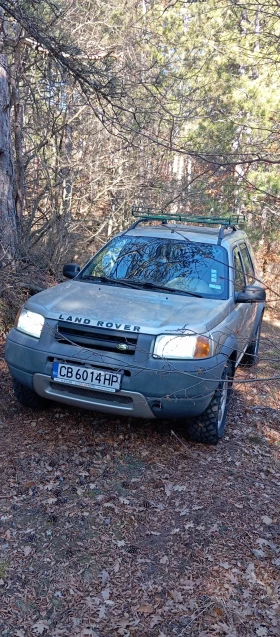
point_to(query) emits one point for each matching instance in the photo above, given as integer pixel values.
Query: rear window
(181, 265)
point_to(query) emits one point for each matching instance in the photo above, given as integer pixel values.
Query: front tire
(27, 397)
(209, 427)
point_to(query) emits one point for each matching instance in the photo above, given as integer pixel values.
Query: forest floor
(112, 527)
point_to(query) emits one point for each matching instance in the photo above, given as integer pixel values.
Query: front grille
(106, 397)
(96, 338)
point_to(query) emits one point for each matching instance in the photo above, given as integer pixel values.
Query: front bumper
(151, 388)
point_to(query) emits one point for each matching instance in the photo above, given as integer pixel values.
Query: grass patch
(257, 440)
(3, 569)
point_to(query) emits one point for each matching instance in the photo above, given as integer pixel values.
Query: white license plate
(86, 377)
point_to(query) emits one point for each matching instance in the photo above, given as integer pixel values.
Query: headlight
(30, 322)
(177, 346)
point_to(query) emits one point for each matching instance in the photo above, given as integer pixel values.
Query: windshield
(185, 266)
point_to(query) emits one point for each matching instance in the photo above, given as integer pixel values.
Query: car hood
(123, 308)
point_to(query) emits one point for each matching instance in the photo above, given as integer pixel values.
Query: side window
(247, 262)
(239, 276)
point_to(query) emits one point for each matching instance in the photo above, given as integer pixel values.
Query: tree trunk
(19, 178)
(8, 229)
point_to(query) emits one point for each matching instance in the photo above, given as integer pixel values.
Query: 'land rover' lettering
(125, 327)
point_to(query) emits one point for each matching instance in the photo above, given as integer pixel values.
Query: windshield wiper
(156, 286)
(148, 285)
(108, 279)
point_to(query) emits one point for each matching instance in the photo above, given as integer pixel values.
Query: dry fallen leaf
(155, 620)
(223, 629)
(176, 595)
(105, 577)
(91, 603)
(153, 532)
(168, 489)
(214, 528)
(225, 565)
(123, 623)
(106, 593)
(79, 546)
(102, 612)
(117, 565)
(250, 573)
(146, 609)
(110, 505)
(258, 553)
(40, 627)
(27, 550)
(88, 632)
(184, 512)
(261, 631)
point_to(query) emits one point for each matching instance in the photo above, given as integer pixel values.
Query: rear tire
(27, 397)
(209, 427)
(250, 356)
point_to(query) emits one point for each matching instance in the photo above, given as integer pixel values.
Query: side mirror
(251, 294)
(70, 270)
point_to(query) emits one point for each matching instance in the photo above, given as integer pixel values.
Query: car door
(244, 312)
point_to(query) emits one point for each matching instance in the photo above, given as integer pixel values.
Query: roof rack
(152, 214)
(145, 214)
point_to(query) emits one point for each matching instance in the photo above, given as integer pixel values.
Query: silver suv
(153, 326)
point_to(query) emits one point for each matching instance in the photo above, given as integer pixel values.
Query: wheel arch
(230, 349)
(233, 358)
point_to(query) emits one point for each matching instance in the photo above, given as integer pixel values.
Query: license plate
(86, 377)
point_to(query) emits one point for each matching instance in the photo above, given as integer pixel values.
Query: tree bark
(8, 228)
(19, 178)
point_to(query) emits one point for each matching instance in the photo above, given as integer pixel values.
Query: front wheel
(209, 427)
(27, 397)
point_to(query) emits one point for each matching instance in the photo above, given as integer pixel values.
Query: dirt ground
(112, 527)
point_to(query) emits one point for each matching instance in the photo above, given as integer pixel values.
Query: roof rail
(145, 214)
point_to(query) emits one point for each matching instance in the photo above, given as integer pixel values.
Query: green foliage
(114, 93)
(3, 569)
